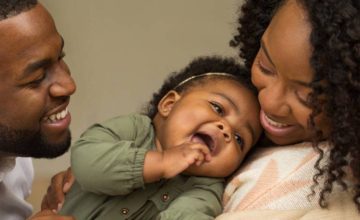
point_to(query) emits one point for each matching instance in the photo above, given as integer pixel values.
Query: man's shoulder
(7, 163)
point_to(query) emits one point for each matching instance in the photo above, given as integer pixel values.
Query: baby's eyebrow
(229, 100)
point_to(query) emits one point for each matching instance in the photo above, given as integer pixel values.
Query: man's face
(35, 86)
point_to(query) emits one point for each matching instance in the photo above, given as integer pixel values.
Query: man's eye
(240, 141)
(217, 108)
(37, 81)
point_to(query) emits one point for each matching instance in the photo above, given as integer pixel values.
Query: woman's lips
(275, 128)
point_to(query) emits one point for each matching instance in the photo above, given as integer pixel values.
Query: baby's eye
(240, 141)
(217, 108)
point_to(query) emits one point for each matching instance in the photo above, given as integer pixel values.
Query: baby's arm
(200, 203)
(109, 157)
(174, 160)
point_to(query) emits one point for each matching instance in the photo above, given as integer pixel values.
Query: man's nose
(63, 84)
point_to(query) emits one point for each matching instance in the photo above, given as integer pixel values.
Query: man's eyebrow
(35, 66)
(40, 63)
(262, 44)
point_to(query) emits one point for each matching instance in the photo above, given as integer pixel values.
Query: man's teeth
(274, 123)
(57, 116)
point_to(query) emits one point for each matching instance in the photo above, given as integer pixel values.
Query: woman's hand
(60, 185)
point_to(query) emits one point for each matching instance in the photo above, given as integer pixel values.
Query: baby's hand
(177, 159)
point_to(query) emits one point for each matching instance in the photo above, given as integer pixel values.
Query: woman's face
(282, 72)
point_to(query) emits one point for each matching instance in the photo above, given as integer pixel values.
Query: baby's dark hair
(13, 7)
(196, 67)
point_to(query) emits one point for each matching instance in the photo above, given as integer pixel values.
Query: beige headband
(202, 75)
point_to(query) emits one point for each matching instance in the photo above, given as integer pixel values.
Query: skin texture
(35, 83)
(282, 74)
(223, 109)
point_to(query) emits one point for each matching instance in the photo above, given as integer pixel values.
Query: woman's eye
(263, 69)
(302, 99)
(217, 108)
(240, 141)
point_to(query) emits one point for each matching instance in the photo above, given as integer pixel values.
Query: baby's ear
(167, 102)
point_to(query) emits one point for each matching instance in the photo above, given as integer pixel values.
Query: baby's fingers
(205, 151)
(200, 158)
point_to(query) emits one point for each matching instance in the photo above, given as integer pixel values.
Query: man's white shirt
(16, 177)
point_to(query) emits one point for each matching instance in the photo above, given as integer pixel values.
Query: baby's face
(221, 114)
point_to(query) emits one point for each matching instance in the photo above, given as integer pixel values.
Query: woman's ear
(167, 103)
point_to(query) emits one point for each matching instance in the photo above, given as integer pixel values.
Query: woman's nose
(273, 100)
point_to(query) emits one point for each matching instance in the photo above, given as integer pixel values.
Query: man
(35, 86)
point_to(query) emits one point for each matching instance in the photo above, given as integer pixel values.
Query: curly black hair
(13, 7)
(198, 66)
(335, 39)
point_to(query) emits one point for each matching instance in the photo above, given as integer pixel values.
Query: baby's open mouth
(204, 139)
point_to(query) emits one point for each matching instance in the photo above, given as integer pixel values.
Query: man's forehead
(33, 23)
(26, 38)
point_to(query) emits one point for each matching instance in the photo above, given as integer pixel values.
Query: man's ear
(167, 103)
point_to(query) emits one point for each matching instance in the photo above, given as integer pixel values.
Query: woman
(304, 57)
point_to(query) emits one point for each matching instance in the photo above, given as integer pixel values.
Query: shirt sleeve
(199, 203)
(109, 157)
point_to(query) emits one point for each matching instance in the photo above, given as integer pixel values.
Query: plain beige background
(120, 51)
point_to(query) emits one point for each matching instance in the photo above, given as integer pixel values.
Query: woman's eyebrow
(302, 83)
(263, 47)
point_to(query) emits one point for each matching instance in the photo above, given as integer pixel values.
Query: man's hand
(49, 215)
(59, 186)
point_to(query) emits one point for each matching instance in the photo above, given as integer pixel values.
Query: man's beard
(25, 143)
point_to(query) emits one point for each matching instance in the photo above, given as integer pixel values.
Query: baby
(170, 163)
